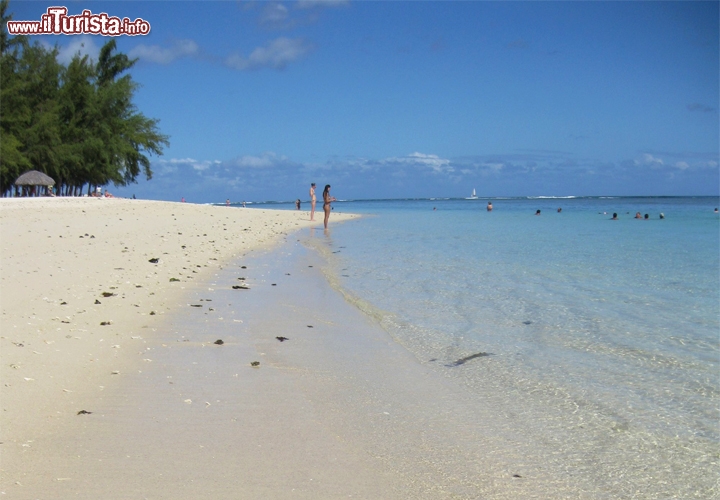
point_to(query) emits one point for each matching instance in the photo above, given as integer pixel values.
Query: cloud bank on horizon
(422, 99)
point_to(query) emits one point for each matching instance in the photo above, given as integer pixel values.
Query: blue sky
(421, 99)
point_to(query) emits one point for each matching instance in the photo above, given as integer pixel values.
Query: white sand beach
(114, 384)
(78, 285)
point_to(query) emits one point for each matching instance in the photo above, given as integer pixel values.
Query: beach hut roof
(34, 178)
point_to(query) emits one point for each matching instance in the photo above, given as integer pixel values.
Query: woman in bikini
(327, 199)
(312, 201)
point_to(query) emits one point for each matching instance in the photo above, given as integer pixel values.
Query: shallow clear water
(599, 338)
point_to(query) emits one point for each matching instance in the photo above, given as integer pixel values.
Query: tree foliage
(76, 123)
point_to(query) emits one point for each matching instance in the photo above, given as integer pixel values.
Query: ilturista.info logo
(57, 22)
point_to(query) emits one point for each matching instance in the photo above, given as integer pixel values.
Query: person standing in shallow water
(327, 199)
(312, 201)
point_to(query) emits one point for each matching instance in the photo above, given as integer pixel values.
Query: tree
(127, 133)
(78, 124)
(12, 108)
(80, 150)
(38, 125)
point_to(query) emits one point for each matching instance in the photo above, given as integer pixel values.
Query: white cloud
(682, 165)
(277, 54)
(274, 13)
(495, 167)
(266, 160)
(434, 162)
(309, 4)
(179, 160)
(172, 164)
(83, 45)
(202, 165)
(165, 55)
(165, 168)
(649, 160)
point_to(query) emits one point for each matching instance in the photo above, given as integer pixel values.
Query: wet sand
(335, 410)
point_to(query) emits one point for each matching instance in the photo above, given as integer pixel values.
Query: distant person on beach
(313, 199)
(297, 204)
(243, 203)
(637, 215)
(489, 207)
(614, 217)
(108, 195)
(227, 202)
(327, 199)
(537, 213)
(182, 200)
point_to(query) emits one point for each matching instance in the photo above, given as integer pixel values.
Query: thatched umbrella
(33, 178)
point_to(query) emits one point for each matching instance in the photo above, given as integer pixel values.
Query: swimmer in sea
(537, 213)
(614, 217)
(489, 207)
(327, 199)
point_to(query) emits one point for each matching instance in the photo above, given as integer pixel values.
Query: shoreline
(149, 406)
(79, 293)
(338, 409)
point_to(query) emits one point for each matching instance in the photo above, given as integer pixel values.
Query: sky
(414, 99)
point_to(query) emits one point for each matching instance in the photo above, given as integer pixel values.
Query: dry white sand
(77, 287)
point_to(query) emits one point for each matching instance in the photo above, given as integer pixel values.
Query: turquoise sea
(596, 341)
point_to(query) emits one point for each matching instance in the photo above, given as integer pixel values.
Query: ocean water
(592, 344)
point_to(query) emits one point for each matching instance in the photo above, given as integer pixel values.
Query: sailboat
(473, 197)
